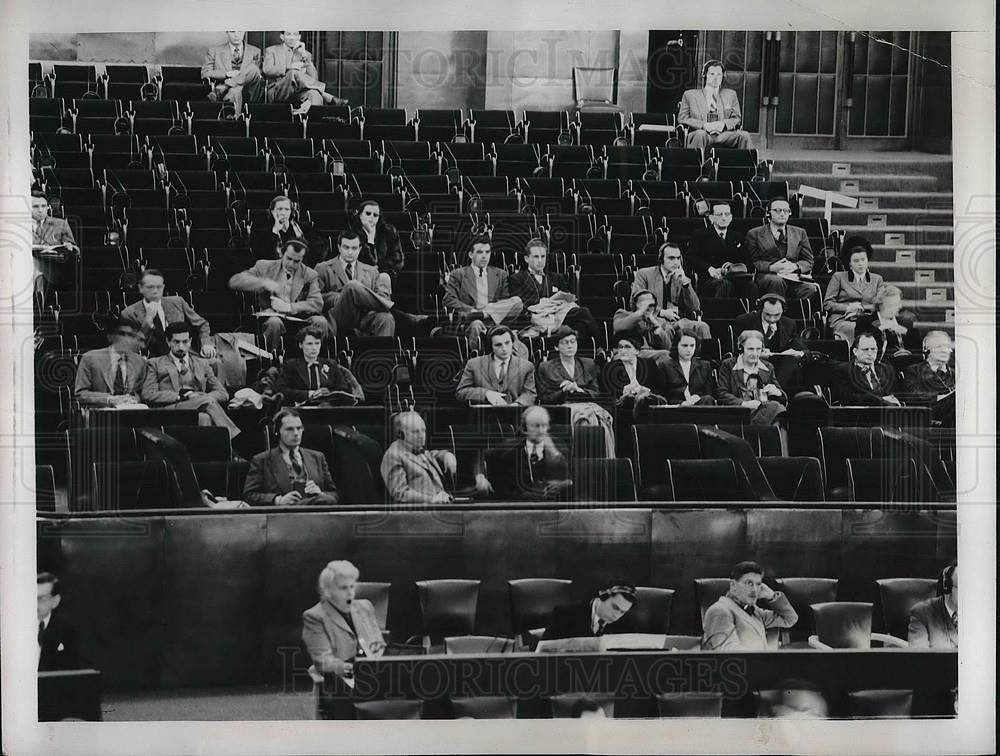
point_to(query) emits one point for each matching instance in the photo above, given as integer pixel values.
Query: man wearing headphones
(532, 468)
(746, 380)
(782, 256)
(934, 622)
(932, 382)
(712, 114)
(720, 258)
(735, 622)
(781, 338)
(584, 619)
(266, 240)
(676, 300)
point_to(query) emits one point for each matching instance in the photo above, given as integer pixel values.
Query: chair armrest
(815, 642)
(314, 674)
(890, 640)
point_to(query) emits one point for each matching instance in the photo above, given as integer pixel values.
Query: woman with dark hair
(892, 328)
(851, 292)
(689, 380)
(379, 240)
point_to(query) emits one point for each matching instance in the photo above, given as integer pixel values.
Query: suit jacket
(512, 476)
(785, 337)
(95, 378)
(478, 377)
(732, 388)
(647, 373)
(329, 637)
(219, 62)
(277, 60)
(306, 296)
(268, 477)
(763, 248)
(410, 478)
(264, 243)
(683, 297)
(842, 291)
(570, 620)
(460, 289)
(931, 625)
(727, 627)
(707, 250)
(551, 373)
(702, 381)
(925, 385)
(693, 110)
(162, 382)
(58, 649)
(850, 387)
(386, 253)
(176, 310)
(293, 382)
(522, 284)
(53, 231)
(333, 278)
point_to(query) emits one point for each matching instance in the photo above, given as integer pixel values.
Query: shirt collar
(867, 277)
(738, 365)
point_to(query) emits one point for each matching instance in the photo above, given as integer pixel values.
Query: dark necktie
(601, 624)
(749, 609)
(41, 632)
(237, 56)
(119, 387)
(781, 238)
(314, 376)
(349, 272)
(769, 332)
(183, 369)
(296, 463)
(502, 378)
(870, 372)
(158, 325)
(954, 619)
(482, 271)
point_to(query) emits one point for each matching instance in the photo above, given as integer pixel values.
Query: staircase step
(863, 167)
(892, 200)
(923, 253)
(902, 216)
(897, 273)
(912, 235)
(867, 182)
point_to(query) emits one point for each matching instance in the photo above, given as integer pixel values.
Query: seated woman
(851, 292)
(747, 380)
(635, 384)
(572, 380)
(892, 328)
(379, 240)
(689, 381)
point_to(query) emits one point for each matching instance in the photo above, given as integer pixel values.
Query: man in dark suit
(56, 639)
(234, 70)
(720, 258)
(782, 256)
(180, 380)
(480, 294)
(289, 475)
(712, 114)
(356, 296)
(934, 622)
(532, 468)
(584, 619)
(113, 375)
(932, 382)
(499, 378)
(316, 380)
(863, 381)
(52, 243)
(534, 283)
(154, 312)
(783, 345)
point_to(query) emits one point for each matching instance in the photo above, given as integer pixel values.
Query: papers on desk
(56, 251)
(568, 645)
(633, 642)
(128, 406)
(272, 314)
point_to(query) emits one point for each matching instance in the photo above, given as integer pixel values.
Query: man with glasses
(719, 257)
(112, 376)
(154, 312)
(736, 622)
(781, 255)
(676, 300)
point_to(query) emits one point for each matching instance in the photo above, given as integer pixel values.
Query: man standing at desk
(735, 622)
(583, 619)
(56, 639)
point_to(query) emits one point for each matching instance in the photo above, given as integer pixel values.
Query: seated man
(336, 631)
(534, 283)
(735, 622)
(412, 473)
(746, 380)
(154, 312)
(356, 297)
(234, 70)
(782, 256)
(641, 325)
(781, 337)
(285, 288)
(291, 75)
(932, 382)
(267, 239)
(676, 299)
(314, 380)
(179, 380)
(934, 622)
(113, 375)
(583, 619)
(863, 381)
(56, 638)
(52, 243)
(479, 293)
(720, 258)
(712, 114)
(289, 475)
(533, 468)
(499, 378)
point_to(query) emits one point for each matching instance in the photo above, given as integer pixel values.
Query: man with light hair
(337, 630)
(533, 467)
(234, 71)
(412, 473)
(932, 382)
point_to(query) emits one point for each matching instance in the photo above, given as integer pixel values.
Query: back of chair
(378, 594)
(562, 705)
(478, 644)
(650, 613)
(707, 591)
(45, 488)
(603, 480)
(483, 707)
(683, 642)
(689, 705)
(843, 624)
(794, 478)
(448, 607)
(803, 592)
(390, 709)
(533, 599)
(703, 479)
(877, 704)
(898, 596)
(133, 485)
(883, 480)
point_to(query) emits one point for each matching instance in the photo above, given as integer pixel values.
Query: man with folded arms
(154, 312)
(736, 622)
(234, 68)
(719, 257)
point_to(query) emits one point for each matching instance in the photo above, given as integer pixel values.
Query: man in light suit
(713, 114)
(499, 378)
(316, 380)
(356, 297)
(934, 622)
(781, 255)
(154, 312)
(676, 299)
(179, 380)
(412, 473)
(736, 623)
(479, 294)
(291, 75)
(51, 242)
(284, 288)
(289, 475)
(234, 70)
(336, 631)
(113, 375)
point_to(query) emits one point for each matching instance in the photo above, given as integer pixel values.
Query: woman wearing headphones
(851, 292)
(747, 380)
(892, 327)
(379, 240)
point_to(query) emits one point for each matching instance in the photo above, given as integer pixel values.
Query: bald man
(412, 473)
(533, 467)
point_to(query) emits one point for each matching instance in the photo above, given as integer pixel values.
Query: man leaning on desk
(735, 622)
(590, 618)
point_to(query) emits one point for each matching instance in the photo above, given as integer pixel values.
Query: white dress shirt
(482, 287)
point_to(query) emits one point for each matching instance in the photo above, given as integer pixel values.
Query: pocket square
(61, 647)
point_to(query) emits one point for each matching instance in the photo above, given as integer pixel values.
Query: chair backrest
(603, 480)
(683, 642)
(133, 485)
(533, 599)
(390, 709)
(654, 444)
(356, 466)
(707, 591)
(703, 705)
(703, 479)
(837, 445)
(45, 488)
(790, 702)
(562, 705)
(595, 84)
(803, 592)
(478, 644)
(898, 596)
(875, 704)
(650, 613)
(883, 480)
(794, 478)
(843, 624)
(483, 707)
(448, 607)
(202, 444)
(378, 594)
